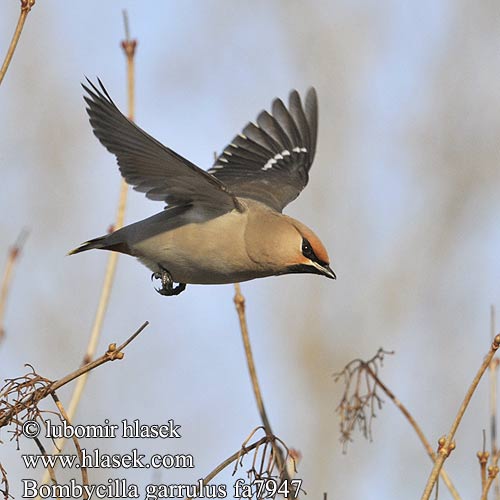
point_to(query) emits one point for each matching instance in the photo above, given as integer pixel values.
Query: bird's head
(309, 253)
(284, 246)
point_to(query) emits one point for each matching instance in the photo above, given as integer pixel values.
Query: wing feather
(146, 164)
(270, 161)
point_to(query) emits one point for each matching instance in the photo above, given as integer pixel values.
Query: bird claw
(167, 284)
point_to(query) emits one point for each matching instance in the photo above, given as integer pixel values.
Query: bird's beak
(314, 267)
(328, 272)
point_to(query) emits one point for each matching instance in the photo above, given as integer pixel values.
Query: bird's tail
(89, 245)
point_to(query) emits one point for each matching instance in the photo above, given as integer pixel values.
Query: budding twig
(239, 301)
(32, 398)
(12, 258)
(492, 474)
(448, 444)
(26, 6)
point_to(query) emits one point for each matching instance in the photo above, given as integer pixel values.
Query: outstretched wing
(146, 164)
(270, 160)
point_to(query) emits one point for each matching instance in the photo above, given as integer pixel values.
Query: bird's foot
(167, 284)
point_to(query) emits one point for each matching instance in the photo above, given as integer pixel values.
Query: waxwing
(224, 225)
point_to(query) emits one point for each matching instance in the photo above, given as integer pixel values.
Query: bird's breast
(208, 252)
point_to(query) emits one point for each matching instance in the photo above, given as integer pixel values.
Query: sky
(403, 193)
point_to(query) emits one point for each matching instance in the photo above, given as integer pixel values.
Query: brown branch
(234, 457)
(129, 45)
(111, 354)
(493, 369)
(447, 444)
(4, 483)
(50, 469)
(64, 415)
(492, 474)
(239, 301)
(37, 395)
(416, 428)
(483, 456)
(12, 258)
(26, 6)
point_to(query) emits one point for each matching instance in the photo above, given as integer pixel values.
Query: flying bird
(224, 225)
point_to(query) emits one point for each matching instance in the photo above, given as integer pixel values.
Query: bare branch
(83, 469)
(239, 301)
(492, 474)
(355, 402)
(26, 6)
(12, 258)
(33, 388)
(446, 444)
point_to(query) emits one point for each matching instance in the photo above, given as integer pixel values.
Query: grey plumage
(270, 161)
(148, 165)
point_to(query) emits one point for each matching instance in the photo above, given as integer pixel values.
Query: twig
(418, 430)
(64, 415)
(493, 369)
(4, 483)
(234, 457)
(492, 474)
(113, 352)
(12, 258)
(493, 389)
(109, 276)
(483, 456)
(26, 6)
(447, 444)
(50, 469)
(239, 301)
(129, 45)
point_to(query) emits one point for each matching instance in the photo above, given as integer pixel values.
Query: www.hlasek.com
(97, 459)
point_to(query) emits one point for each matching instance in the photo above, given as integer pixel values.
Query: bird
(221, 225)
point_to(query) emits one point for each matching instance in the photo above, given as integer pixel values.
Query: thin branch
(492, 474)
(64, 415)
(26, 6)
(34, 397)
(239, 301)
(493, 464)
(483, 456)
(234, 457)
(4, 483)
(12, 258)
(447, 444)
(109, 276)
(417, 429)
(129, 45)
(493, 389)
(50, 469)
(493, 369)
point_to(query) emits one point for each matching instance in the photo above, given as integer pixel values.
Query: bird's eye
(307, 250)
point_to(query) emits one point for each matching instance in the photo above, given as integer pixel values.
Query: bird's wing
(270, 160)
(149, 166)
